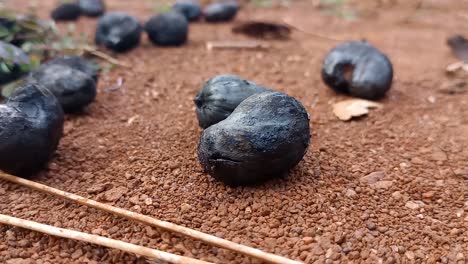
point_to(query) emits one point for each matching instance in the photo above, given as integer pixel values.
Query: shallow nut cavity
(220, 95)
(31, 124)
(358, 69)
(265, 137)
(118, 31)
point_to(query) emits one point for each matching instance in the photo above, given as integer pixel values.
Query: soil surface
(387, 188)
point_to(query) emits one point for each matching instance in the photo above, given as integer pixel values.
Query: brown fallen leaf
(263, 30)
(459, 46)
(346, 110)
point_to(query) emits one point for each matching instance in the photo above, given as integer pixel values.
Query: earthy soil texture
(387, 188)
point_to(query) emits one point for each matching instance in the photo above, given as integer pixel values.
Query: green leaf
(8, 89)
(4, 67)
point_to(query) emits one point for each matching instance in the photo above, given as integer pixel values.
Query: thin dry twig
(209, 239)
(98, 240)
(311, 33)
(211, 45)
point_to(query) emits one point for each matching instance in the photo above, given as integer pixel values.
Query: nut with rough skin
(15, 58)
(221, 12)
(167, 29)
(189, 8)
(78, 63)
(92, 8)
(31, 124)
(118, 31)
(66, 12)
(358, 69)
(220, 95)
(73, 88)
(265, 137)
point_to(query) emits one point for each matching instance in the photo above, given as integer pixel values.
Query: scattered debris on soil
(266, 136)
(346, 110)
(263, 30)
(358, 69)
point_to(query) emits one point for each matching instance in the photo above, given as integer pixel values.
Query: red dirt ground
(387, 188)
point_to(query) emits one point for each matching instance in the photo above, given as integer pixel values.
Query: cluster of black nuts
(121, 32)
(32, 117)
(252, 133)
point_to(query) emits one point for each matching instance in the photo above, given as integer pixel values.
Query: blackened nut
(15, 60)
(266, 136)
(74, 89)
(118, 31)
(31, 124)
(167, 29)
(78, 63)
(66, 12)
(92, 8)
(221, 12)
(358, 69)
(220, 95)
(189, 8)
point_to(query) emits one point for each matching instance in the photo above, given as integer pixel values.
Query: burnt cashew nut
(31, 125)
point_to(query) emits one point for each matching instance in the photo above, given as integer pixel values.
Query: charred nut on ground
(167, 29)
(189, 8)
(92, 8)
(66, 12)
(265, 137)
(358, 69)
(118, 31)
(221, 11)
(32, 125)
(74, 89)
(220, 95)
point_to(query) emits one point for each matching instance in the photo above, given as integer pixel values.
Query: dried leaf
(263, 30)
(346, 110)
(459, 46)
